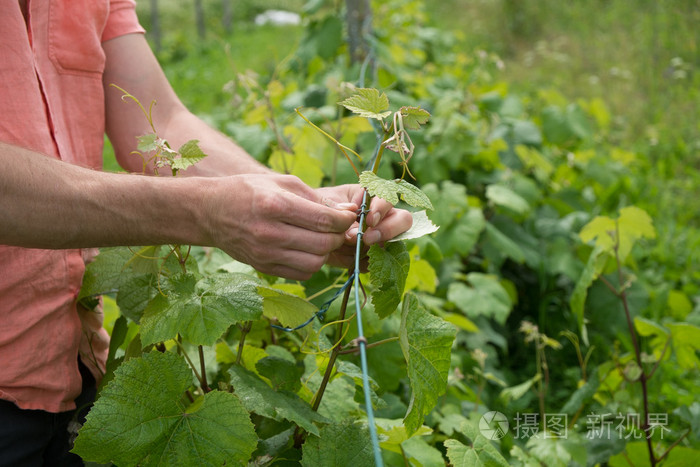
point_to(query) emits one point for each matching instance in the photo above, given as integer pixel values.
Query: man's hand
(276, 223)
(384, 222)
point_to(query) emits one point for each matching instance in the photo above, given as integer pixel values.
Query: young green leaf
(388, 269)
(623, 232)
(190, 154)
(140, 419)
(414, 117)
(391, 190)
(426, 342)
(148, 142)
(368, 103)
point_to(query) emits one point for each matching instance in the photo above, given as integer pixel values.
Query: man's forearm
(46, 203)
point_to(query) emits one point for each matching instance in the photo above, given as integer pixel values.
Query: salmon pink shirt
(51, 101)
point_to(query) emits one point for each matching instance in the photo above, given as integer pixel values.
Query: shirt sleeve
(122, 20)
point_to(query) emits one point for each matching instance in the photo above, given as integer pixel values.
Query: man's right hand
(275, 223)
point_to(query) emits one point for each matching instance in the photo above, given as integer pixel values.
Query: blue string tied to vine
(321, 313)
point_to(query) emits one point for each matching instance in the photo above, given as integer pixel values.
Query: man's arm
(132, 66)
(273, 222)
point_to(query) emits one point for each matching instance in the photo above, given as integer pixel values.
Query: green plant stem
(337, 143)
(658, 362)
(380, 151)
(245, 329)
(675, 443)
(540, 384)
(190, 362)
(334, 353)
(205, 384)
(638, 354)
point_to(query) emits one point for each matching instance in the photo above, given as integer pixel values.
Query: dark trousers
(34, 438)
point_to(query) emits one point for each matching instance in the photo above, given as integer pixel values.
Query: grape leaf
(106, 273)
(633, 224)
(390, 190)
(342, 444)
(421, 226)
(483, 296)
(200, 310)
(686, 344)
(368, 103)
(148, 142)
(190, 154)
(260, 398)
(421, 275)
(134, 295)
(504, 196)
(426, 342)
(140, 419)
(414, 117)
(283, 374)
(388, 269)
(290, 310)
(480, 454)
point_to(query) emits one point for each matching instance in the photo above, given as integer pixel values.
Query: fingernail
(372, 237)
(374, 219)
(351, 234)
(346, 206)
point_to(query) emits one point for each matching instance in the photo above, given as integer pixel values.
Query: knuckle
(324, 222)
(269, 203)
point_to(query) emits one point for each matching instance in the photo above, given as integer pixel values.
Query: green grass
(640, 57)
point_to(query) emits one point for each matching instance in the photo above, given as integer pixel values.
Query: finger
(280, 236)
(295, 265)
(287, 272)
(394, 223)
(315, 216)
(377, 211)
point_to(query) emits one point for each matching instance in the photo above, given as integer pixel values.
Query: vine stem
(205, 384)
(334, 353)
(191, 363)
(245, 329)
(637, 351)
(675, 443)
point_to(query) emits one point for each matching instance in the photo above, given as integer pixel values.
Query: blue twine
(321, 313)
(363, 341)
